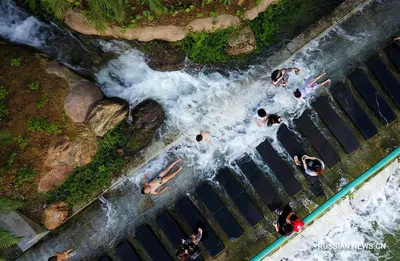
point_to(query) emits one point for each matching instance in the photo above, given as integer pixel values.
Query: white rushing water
(222, 105)
(372, 213)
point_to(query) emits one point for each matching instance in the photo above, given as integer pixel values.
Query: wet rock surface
(54, 215)
(106, 114)
(147, 117)
(80, 100)
(242, 42)
(167, 60)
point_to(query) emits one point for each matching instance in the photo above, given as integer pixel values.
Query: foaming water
(109, 210)
(223, 105)
(369, 216)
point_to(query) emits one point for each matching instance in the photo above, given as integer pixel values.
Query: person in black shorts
(288, 222)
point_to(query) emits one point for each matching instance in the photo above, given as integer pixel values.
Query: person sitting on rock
(309, 86)
(204, 136)
(163, 177)
(61, 256)
(287, 221)
(280, 77)
(312, 166)
(264, 118)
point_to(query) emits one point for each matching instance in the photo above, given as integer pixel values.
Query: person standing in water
(288, 221)
(309, 86)
(204, 136)
(312, 166)
(163, 177)
(61, 256)
(280, 77)
(265, 118)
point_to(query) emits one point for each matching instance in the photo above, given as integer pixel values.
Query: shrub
(22, 142)
(87, 181)
(34, 86)
(23, 174)
(42, 101)
(40, 124)
(3, 92)
(207, 47)
(16, 62)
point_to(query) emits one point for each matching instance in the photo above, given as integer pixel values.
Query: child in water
(309, 86)
(204, 136)
(269, 119)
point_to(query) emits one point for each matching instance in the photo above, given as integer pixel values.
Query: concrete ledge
(322, 25)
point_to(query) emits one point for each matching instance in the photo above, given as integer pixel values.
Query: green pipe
(330, 202)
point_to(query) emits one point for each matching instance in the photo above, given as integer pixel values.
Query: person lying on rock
(312, 166)
(280, 77)
(163, 177)
(204, 136)
(287, 221)
(61, 256)
(263, 118)
(309, 86)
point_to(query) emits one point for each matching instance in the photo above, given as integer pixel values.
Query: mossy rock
(147, 117)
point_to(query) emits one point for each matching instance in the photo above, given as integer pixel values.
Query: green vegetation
(3, 111)
(87, 181)
(40, 124)
(34, 86)
(5, 138)
(10, 159)
(282, 20)
(7, 239)
(44, 99)
(3, 92)
(3, 106)
(23, 174)
(16, 62)
(21, 141)
(207, 47)
(99, 12)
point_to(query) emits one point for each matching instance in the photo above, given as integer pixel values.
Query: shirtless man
(163, 177)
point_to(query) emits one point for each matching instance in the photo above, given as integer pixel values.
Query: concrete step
(266, 191)
(247, 208)
(125, 252)
(317, 139)
(355, 112)
(280, 168)
(152, 245)
(372, 97)
(335, 124)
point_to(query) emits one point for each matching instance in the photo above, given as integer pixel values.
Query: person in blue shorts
(309, 86)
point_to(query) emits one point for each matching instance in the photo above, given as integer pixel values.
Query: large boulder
(55, 215)
(106, 114)
(80, 100)
(64, 156)
(167, 60)
(242, 42)
(147, 117)
(54, 178)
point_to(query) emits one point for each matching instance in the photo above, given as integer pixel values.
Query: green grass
(44, 99)
(16, 62)
(40, 124)
(207, 47)
(34, 86)
(24, 174)
(22, 142)
(88, 181)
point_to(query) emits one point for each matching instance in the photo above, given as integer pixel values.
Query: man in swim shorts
(163, 177)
